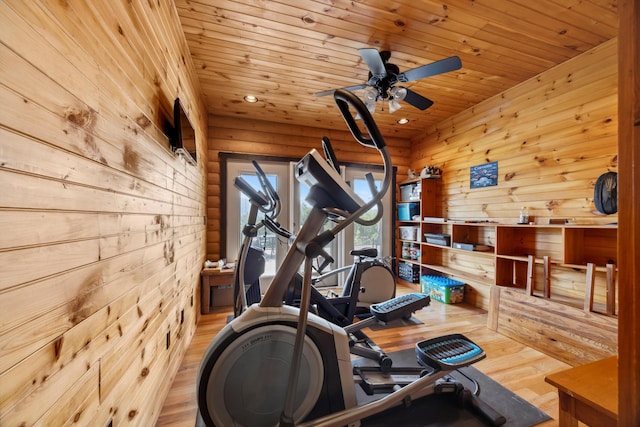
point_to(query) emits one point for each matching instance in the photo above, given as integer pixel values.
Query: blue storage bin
(406, 211)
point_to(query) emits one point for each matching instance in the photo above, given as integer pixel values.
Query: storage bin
(443, 289)
(409, 233)
(438, 239)
(409, 272)
(410, 250)
(410, 192)
(407, 211)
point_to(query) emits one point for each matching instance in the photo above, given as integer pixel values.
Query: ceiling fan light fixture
(370, 99)
(394, 105)
(398, 93)
(371, 94)
(251, 99)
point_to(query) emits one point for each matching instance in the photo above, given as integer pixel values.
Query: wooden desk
(213, 277)
(588, 393)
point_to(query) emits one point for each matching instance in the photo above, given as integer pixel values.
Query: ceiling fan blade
(374, 61)
(349, 88)
(417, 100)
(435, 68)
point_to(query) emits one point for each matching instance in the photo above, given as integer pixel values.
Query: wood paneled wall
(246, 136)
(102, 227)
(552, 136)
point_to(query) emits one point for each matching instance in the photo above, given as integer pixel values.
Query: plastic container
(408, 232)
(443, 289)
(524, 215)
(410, 251)
(438, 239)
(406, 211)
(410, 192)
(409, 272)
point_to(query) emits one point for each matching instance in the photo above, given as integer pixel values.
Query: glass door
(379, 235)
(238, 206)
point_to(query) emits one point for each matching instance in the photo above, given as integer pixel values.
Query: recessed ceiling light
(251, 98)
(403, 121)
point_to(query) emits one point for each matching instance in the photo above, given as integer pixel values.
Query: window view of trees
(364, 236)
(266, 240)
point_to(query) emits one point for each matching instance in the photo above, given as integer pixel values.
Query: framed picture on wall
(485, 175)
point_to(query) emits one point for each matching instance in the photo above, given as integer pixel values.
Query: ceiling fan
(383, 77)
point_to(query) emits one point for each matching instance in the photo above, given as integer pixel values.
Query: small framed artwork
(485, 175)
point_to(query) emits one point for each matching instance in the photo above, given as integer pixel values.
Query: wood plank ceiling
(285, 51)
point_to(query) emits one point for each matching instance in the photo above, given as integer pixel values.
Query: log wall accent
(245, 136)
(552, 136)
(102, 226)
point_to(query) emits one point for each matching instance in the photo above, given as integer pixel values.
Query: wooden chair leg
(611, 289)
(590, 284)
(531, 274)
(547, 277)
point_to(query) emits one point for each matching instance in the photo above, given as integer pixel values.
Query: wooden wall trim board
(629, 202)
(103, 234)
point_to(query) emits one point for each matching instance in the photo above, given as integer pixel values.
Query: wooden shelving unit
(566, 271)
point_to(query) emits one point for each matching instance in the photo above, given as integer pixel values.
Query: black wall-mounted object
(183, 139)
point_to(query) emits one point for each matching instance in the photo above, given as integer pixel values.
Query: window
(238, 206)
(281, 176)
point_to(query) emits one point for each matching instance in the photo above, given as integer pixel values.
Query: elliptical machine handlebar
(256, 198)
(330, 155)
(344, 99)
(268, 188)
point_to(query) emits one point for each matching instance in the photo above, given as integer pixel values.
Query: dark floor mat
(446, 410)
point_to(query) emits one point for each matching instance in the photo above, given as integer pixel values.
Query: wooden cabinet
(549, 286)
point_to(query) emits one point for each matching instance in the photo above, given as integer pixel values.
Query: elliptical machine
(364, 275)
(369, 276)
(369, 280)
(281, 365)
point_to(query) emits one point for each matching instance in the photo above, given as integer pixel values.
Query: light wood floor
(515, 366)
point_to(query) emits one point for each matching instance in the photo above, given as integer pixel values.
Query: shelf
(526, 259)
(489, 254)
(568, 248)
(464, 276)
(601, 268)
(410, 261)
(433, 245)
